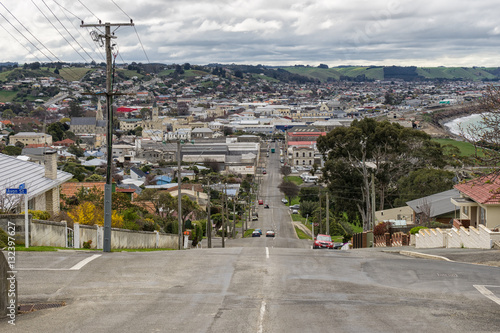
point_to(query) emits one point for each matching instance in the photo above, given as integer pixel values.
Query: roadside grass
(465, 148)
(301, 234)
(337, 239)
(248, 232)
(54, 248)
(298, 218)
(142, 250)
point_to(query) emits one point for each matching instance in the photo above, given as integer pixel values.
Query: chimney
(51, 164)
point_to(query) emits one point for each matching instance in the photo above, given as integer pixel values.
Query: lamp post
(179, 195)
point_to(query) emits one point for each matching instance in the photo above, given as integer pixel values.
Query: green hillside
(392, 72)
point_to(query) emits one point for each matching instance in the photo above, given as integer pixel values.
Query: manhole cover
(38, 306)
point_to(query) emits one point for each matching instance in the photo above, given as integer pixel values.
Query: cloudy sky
(270, 32)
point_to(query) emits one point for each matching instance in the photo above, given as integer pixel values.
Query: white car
(284, 201)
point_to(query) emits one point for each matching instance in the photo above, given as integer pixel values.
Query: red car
(261, 202)
(323, 242)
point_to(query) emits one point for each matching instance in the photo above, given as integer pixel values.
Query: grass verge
(301, 234)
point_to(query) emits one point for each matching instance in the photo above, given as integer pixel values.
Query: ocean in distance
(456, 126)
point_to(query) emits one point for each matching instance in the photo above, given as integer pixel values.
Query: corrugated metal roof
(14, 172)
(439, 203)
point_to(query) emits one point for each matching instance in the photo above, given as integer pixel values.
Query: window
(303, 154)
(482, 216)
(310, 154)
(466, 210)
(310, 162)
(297, 155)
(303, 162)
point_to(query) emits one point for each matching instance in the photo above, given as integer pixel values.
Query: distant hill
(407, 73)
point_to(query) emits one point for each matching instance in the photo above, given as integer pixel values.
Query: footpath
(470, 256)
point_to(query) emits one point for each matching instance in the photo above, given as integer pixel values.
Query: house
(41, 181)
(479, 202)
(137, 174)
(436, 207)
(32, 138)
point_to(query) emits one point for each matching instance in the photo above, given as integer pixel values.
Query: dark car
(255, 233)
(266, 206)
(323, 242)
(259, 231)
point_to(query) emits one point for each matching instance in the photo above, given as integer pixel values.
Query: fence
(57, 234)
(394, 240)
(480, 238)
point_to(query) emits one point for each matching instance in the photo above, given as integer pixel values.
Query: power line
(67, 41)
(81, 35)
(67, 31)
(27, 49)
(89, 11)
(136, 32)
(46, 56)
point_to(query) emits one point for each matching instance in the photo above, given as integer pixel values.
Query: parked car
(266, 206)
(294, 211)
(259, 231)
(284, 201)
(261, 202)
(270, 233)
(255, 218)
(296, 206)
(264, 172)
(323, 242)
(255, 233)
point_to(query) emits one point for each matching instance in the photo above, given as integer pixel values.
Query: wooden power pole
(109, 134)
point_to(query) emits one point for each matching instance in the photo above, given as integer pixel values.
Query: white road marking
(76, 267)
(486, 292)
(261, 317)
(267, 253)
(84, 262)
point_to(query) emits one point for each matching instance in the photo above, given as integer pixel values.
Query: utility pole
(224, 202)
(179, 192)
(373, 201)
(109, 134)
(234, 218)
(209, 222)
(327, 214)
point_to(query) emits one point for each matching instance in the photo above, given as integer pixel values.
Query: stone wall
(18, 219)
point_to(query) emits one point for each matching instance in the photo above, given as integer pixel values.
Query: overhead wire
(67, 31)
(27, 49)
(89, 10)
(46, 56)
(76, 28)
(74, 72)
(136, 32)
(53, 25)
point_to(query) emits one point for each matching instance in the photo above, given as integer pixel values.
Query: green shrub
(39, 214)
(4, 238)
(86, 245)
(415, 230)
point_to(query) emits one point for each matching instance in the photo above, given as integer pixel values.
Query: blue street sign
(22, 186)
(16, 191)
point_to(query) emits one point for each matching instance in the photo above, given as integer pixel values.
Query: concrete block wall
(472, 238)
(48, 233)
(454, 239)
(430, 238)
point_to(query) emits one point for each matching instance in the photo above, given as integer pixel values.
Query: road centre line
(486, 292)
(261, 317)
(267, 253)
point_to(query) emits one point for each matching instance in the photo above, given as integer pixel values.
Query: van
(311, 179)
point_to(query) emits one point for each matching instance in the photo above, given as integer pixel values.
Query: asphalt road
(255, 285)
